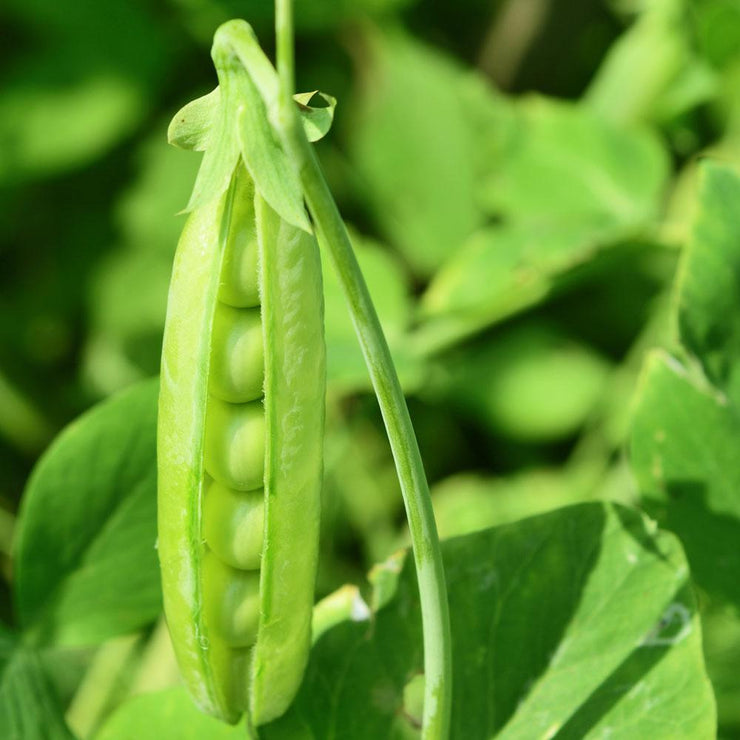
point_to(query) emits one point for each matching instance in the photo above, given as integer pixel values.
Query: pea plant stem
(284, 46)
(333, 237)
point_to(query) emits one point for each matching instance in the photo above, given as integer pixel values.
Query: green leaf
(708, 301)
(163, 715)
(317, 120)
(684, 443)
(29, 710)
(567, 161)
(85, 559)
(579, 623)
(191, 126)
(568, 186)
(273, 173)
(414, 147)
(686, 429)
(221, 154)
(652, 72)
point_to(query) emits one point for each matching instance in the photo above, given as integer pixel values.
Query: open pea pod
(241, 413)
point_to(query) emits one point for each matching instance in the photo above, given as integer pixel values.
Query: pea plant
(175, 566)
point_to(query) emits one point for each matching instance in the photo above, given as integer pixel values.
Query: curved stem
(423, 529)
(333, 236)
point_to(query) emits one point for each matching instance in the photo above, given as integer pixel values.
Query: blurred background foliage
(518, 177)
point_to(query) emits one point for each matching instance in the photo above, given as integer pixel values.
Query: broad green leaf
(414, 148)
(568, 163)
(569, 186)
(85, 559)
(504, 270)
(686, 429)
(29, 710)
(165, 715)
(533, 383)
(499, 272)
(684, 443)
(575, 624)
(653, 73)
(708, 301)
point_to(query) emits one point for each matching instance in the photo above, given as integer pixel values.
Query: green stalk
(284, 46)
(333, 236)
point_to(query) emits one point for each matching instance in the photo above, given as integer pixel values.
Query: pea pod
(240, 437)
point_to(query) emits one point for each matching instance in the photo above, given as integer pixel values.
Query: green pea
(240, 441)
(227, 684)
(231, 600)
(234, 525)
(235, 443)
(237, 359)
(239, 284)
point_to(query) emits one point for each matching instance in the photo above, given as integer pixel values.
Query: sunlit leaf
(579, 623)
(686, 429)
(413, 147)
(85, 559)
